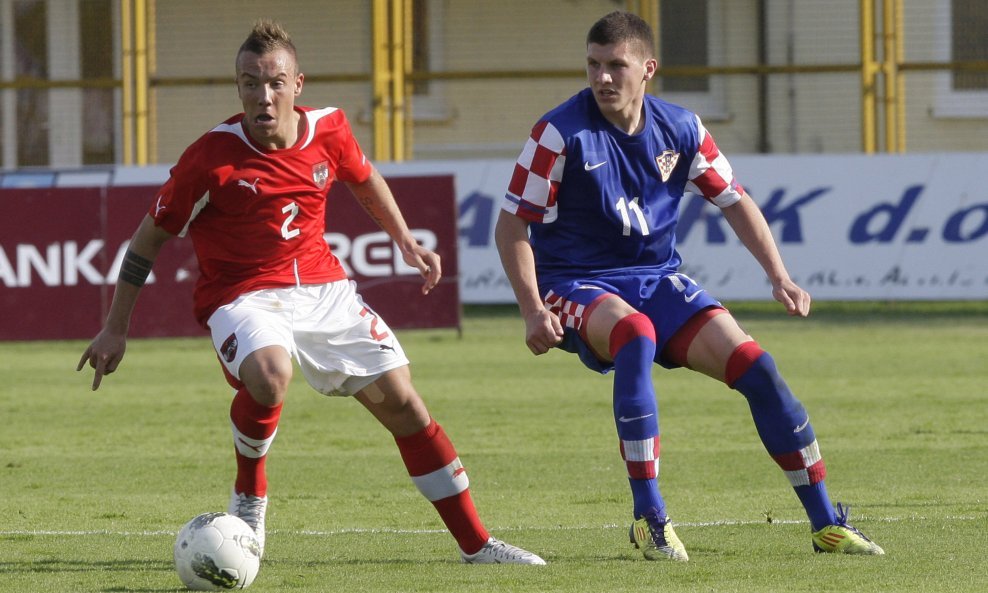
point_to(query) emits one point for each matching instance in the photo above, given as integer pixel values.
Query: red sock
(254, 427)
(437, 472)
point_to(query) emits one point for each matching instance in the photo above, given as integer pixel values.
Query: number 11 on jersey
(624, 206)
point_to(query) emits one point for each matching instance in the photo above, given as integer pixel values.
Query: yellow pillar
(152, 68)
(127, 79)
(868, 75)
(890, 69)
(900, 110)
(397, 52)
(409, 127)
(381, 77)
(140, 82)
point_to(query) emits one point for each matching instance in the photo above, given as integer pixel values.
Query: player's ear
(298, 83)
(651, 67)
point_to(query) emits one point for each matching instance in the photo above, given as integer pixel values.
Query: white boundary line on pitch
(359, 530)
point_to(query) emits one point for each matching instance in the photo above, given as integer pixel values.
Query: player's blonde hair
(268, 36)
(621, 26)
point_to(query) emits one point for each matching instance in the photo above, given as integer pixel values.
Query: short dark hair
(621, 26)
(268, 36)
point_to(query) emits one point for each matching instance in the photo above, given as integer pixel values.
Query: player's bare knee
(266, 374)
(399, 400)
(269, 393)
(707, 342)
(609, 313)
(396, 405)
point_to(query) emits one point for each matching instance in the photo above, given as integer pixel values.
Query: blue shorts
(668, 301)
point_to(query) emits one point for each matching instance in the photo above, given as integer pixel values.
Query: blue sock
(636, 414)
(784, 428)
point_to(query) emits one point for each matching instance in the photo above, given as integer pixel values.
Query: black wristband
(135, 269)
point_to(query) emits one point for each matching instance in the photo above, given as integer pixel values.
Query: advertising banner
(61, 248)
(850, 227)
(889, 227)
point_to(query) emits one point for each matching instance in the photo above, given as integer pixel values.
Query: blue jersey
(601, 201)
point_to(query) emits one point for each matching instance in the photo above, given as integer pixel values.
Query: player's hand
(104, 354)
(795, 299)
(428, 264)
(542, 331)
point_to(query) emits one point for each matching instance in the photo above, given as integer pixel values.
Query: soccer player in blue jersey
(587, 239)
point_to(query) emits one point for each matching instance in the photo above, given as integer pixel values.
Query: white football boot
(252, 510)
(497, 552)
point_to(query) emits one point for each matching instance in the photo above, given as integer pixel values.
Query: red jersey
(257, 216)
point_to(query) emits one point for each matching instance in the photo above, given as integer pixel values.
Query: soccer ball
(216, 551)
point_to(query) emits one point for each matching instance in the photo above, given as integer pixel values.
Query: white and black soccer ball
(217, 551)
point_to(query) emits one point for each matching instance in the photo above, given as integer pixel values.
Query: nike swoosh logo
(626, 420)
(802, 426)
(588, 167)
(692, 297)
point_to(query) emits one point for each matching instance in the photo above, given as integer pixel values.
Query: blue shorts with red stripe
(669, 301)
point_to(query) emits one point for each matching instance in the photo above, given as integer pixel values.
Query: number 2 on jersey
(292, 211)
(624, 206)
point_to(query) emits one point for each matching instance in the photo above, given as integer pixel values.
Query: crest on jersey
(320, 174)
(229, 348)
(667, 162)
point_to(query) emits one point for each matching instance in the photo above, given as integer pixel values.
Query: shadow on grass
(56, 565)
(51, 566)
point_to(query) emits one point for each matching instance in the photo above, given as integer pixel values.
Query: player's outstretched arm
(375, 197)
(542, 327)
(107, 349)
(750, 226)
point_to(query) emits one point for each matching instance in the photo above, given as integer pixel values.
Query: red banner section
(60, 252)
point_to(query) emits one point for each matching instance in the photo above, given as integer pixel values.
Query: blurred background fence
(92, 82)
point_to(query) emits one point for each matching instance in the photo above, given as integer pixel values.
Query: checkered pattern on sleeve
(711, 175)
(538, 172)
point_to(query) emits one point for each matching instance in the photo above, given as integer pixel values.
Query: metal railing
(881, 70)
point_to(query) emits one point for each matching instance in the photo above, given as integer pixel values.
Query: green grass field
(94, 486)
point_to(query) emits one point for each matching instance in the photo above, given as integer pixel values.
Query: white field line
(360, 530)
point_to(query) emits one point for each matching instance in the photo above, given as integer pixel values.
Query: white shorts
(340, 344)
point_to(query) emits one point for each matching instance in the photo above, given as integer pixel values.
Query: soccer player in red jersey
(251, 194)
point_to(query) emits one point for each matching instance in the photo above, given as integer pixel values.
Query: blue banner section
(850, 227)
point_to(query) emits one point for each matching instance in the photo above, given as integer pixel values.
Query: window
(421, 43)
(428, 96)
(689, 34)
(962, 93)
(969, 24)
(56, 40)
(683, 42)
(31, 61)
(96, 62)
